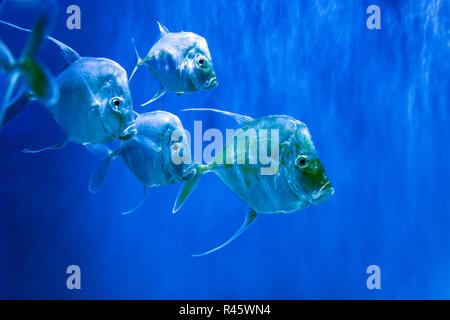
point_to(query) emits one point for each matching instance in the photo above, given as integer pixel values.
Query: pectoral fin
(158, 95)
(249, 218)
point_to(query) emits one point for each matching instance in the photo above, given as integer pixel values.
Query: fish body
(94, 104)
(280, 192)
(264, 193)
(181, 62)
(295, 181)
(157, 155)
(149, 153)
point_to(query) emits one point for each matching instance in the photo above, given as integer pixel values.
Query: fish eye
(201, 62)
(301, 161)
(116, 102)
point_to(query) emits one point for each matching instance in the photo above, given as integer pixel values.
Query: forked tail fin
(39, 80)
(139, 62)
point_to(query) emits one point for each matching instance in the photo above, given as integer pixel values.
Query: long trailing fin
(57, 146)
(101, 171)
(144, 198)
(158, 95)
(69, 54)
(188, 187)
(249, 218)
(239, 118)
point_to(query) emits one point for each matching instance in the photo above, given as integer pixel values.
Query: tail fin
(99, 174)
(7, 60)
(37, 77)
(10, 110)
(139, 62)
(249, 218)
(188, 187)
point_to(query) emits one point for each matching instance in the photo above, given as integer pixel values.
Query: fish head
(166, 130)
(198, 64)
(304, 171)
(178, 147)
(116, 107)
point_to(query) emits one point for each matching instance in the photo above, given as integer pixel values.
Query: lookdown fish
(158, 155)
(296, 179)
(95, 103)
(38, 79)
(181, 62)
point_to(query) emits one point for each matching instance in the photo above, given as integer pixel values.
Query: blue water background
(376, 103)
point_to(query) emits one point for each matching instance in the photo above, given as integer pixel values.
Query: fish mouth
(212, 83)
(325, 192)
(129, 132)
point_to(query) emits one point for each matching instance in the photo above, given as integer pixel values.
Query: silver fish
(95, 102)
(298, 181)
(181, 62)
(157, 155)
(37, 78)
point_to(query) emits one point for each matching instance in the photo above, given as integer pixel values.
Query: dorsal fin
(68, 53)
(239, 118)
(162, 29)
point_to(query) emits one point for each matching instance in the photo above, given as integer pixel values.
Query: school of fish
(91, 102)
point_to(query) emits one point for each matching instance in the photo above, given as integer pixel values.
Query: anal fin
(249, 218)
(158, 95)
(144, 196)
(57, 146)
